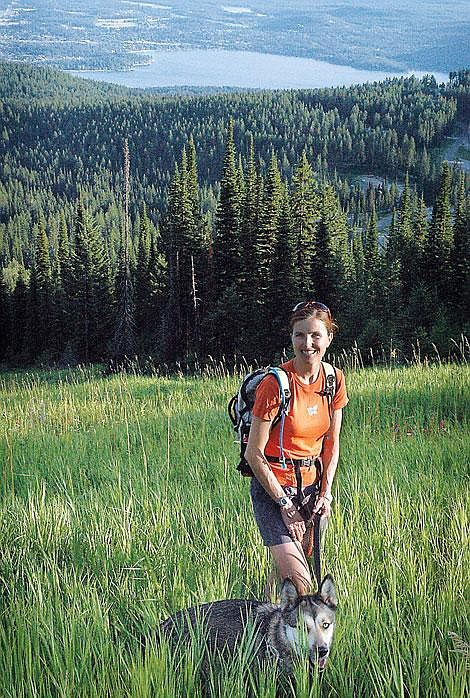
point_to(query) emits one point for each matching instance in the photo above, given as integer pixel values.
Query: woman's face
(310, 339)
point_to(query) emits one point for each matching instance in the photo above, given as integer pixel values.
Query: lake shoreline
(221, 68)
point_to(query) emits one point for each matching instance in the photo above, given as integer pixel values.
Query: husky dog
(298, 627)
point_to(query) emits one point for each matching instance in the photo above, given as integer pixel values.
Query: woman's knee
(290, 562)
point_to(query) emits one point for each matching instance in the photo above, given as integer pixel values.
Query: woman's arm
(254, 454)
(330, 456)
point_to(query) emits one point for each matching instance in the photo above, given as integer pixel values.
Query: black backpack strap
(329, 391)
(331, 385)
(231, 410)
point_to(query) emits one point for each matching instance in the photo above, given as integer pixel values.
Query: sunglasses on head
(311, 304)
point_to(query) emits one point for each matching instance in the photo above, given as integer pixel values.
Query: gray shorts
(268, 514)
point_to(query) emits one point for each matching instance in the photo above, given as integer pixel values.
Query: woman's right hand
(294, 522)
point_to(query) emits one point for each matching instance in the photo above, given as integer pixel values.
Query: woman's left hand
(323, 507)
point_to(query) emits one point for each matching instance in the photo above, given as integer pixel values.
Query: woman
(310, 444)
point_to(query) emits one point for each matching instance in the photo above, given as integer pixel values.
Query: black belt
(299, 462)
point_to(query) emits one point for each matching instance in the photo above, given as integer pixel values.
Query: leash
(316, 548)
(312, 546)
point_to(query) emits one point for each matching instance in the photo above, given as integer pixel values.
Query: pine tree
(158, 328)
(227, 259)
(63, 286)
(91, 311)
(266, 235)
(354, 312)
(142, 285)
(188, 258)
(407, 259)
(201, 236)
(282, 296)
(416, 298)
(436, 269)
(440, 237)
(249, 221)
(20, 345)
(358, 259)
(250, 216)
(394, 321)
(331, 267)
(226, 249)
(172, 320)
(371, 257)
(373, 333)
(459, 296)
(305, 207)
(198, 246)
(5, 319)
(41, 295)
(420, 232)
(394, 240)
(240, 182)
(56, 341)
(192, 180)
(123, 345)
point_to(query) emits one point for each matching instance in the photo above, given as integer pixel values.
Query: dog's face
(310, 620)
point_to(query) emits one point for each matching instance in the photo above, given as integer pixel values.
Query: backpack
(241, 404)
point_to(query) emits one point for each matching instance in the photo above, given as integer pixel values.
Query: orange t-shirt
(306, 422)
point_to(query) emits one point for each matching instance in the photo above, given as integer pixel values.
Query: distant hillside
(24, 82)
(114, 34)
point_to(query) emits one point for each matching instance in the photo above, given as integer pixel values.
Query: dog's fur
(298, 627)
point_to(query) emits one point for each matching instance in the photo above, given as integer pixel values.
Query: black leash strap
(316, 548)
(298, 480)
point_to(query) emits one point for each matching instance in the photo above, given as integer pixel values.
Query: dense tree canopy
(234, 207)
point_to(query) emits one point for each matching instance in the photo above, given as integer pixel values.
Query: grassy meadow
(120, 503)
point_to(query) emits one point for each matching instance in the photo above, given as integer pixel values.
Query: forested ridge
(177, 227)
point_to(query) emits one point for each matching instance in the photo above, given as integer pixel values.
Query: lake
(218, 68)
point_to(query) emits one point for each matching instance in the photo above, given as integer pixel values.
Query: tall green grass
(120, 503)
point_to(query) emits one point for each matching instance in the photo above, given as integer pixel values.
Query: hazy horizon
(113, 34)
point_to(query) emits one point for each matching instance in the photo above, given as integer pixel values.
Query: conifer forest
(182, 228)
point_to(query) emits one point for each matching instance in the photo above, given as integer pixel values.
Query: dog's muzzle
(318, 657)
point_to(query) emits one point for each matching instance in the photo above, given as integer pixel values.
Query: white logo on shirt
(312, 410)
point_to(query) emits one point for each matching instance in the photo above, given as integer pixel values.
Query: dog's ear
(328, 591)
(289, 593)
